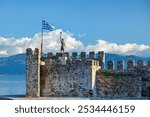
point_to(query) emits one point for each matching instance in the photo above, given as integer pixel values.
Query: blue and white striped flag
(47, 26)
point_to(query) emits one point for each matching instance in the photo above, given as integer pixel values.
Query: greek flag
(47, 26)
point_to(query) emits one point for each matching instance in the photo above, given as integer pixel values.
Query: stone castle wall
(133, 82)
(114, 84)
(84, 75)
(59, 75)
(145, 76)
(75, 78)
(32, 73)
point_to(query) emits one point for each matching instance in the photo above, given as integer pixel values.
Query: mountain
(15, 65)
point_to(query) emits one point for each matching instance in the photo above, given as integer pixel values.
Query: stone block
(101, 55)
(83, 55)
(148, 63)
(92, 55)
(29, 51)
(49, 55)
(120, 65)
(74, 55)
(140, 63)
(101, 58)
(67, 55)
(58, 55)
(130, 64)
(110, 64)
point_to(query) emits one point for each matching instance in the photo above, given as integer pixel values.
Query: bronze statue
(62, 43)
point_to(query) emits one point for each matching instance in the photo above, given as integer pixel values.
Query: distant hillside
(15, 65)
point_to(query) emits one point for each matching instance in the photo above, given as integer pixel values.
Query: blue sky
(115, 21)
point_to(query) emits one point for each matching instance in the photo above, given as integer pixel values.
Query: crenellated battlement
(89, 58)
(75, 74)
(59, 56)
(128, 65)
(99, 58)
(33, 53)
(92, 57)
(75, 55)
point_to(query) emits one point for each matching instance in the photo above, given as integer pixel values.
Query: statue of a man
(62, 43)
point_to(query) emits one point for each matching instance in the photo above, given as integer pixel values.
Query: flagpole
(42, 39)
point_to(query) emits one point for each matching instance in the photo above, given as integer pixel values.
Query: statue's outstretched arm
(60, 36)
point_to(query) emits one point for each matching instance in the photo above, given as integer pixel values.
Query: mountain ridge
(15, 65)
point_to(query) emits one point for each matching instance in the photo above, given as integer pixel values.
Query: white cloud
(52, 41)
(81, 35)
(11, 46)
(126, 49)
(3, 52)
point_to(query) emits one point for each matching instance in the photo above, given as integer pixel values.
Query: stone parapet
(32, 73)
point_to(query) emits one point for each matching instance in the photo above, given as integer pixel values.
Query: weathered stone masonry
(59, 75)
(32, 73)
(75, 78)
(118, 84)
(54, 78)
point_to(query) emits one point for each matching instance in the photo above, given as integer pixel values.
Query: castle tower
(59, 75)
(74, 78)
(32, 73)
